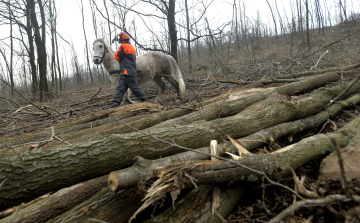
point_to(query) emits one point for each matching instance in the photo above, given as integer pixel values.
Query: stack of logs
(96, 170)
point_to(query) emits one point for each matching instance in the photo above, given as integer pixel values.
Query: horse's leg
(175, 84)
(127, 98)
(162, 86)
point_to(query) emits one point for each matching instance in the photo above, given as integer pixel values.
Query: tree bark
(131, 176)
(172, 28)
(86, 43)
(229, 108)
(31, 52)
(58, 203)
(86, 122)
(48, 169)
(196, 206)
(276, 165)
(40, 46)
(105, 205)
(312, 72)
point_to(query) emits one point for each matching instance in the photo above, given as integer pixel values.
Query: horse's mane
(106, 45)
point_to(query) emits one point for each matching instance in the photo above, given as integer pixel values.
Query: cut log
(99, 118)
(330, 169)
(138, 122)
(104, 206)
(110, 124)
(225, 80)
(276, 165)
(196, 206)
(57, 203)
(36, 172)
(229, 108)
(130, 177)
(312, 72)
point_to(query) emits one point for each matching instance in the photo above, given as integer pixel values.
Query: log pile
(112, 166)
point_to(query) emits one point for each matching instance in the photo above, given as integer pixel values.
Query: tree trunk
(41, 47)
(48, 169)
(86, 43)
(96, 123)
(58, 203)
(307, 24)
(276, 165)
(172, 29)
(233, 107)
(130, 177)
(105, 205)
(188, 35)
(312, 72)
(195, 207)
(11, 73)
(34, 80)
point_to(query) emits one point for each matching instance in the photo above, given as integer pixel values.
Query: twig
(219, 157)
(263, 197)
(53, 136)
(221, 217)
(319, 60)
(94, 95)
(329, 199)
(341, 165)
(3, 182)
(196, 96)
(332, 102)
(54, 110)
(10, 101)
(25, 98)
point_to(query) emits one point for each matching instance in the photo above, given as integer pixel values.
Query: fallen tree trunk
(110, 124)
(312, 72)
(105, 205)
(276, 165)
(229, 108)
(48, 169)
(225, 80)
(138, 122)
(196, 206)
(131, 176)
(210, 113)
(58, 203)
(100, 118)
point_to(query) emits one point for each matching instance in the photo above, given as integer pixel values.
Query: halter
(105, 52)
(103, 56)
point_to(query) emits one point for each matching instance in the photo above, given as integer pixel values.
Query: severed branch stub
(214, 149)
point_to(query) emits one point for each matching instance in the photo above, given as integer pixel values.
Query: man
(126, 55)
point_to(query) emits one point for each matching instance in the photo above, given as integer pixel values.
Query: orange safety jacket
(126, 54)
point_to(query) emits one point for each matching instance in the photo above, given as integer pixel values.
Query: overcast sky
(70, 21)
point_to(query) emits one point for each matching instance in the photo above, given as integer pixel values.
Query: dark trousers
(126, 82)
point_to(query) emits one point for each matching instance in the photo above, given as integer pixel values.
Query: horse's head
(100, 50)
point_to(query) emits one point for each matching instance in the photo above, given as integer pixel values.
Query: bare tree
(53, 64)
(86, 43)
(274, 20)
(307, 24)
(188, 35)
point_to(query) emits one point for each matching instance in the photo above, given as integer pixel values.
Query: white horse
(150, 66)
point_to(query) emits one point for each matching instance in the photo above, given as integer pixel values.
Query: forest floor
(259, 204)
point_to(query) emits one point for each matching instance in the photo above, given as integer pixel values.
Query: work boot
(113, 105)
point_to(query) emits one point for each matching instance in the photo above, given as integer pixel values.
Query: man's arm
(120, 53)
